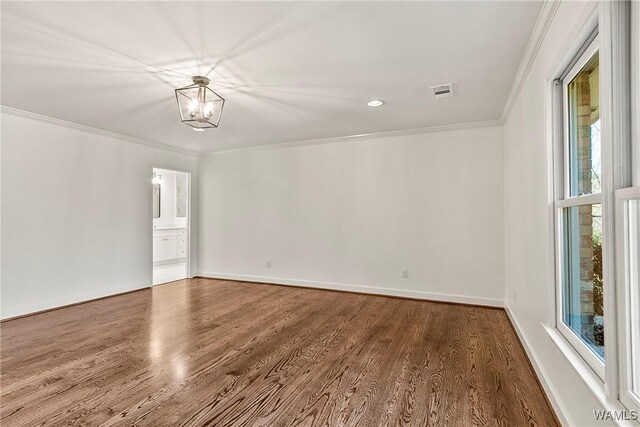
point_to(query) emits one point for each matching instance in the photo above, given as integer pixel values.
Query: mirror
(156, 201)
(181, 195)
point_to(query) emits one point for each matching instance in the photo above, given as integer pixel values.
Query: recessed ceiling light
(198, 129)
(375, 103)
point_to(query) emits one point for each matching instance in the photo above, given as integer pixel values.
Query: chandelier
(200, 107)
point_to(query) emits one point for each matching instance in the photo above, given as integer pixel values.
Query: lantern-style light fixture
(200, 107)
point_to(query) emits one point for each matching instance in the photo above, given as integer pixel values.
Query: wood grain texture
(221, 353)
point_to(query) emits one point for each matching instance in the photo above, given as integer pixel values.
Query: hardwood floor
(221, 353)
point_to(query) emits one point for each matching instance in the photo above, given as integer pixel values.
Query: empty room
(320, 213)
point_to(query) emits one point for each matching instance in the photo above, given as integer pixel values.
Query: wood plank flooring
(220, 353)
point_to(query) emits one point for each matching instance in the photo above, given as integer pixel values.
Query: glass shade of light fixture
(200, 107)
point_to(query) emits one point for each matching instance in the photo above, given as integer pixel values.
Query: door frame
(150, 217)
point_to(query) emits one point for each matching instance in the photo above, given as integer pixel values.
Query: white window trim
(627, 397)
(615, 128)
(635, 91)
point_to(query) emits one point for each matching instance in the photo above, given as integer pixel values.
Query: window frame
(563, 200)
(626, 296)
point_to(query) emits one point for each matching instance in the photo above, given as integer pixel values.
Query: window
(596, 205)
(579, 207)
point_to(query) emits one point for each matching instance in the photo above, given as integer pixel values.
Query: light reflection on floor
(168, 346)
(169, 272)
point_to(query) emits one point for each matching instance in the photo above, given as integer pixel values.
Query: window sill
(590, 378)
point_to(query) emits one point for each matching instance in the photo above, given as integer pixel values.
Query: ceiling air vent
(443, 91)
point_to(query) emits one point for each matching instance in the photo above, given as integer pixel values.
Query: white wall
(76, 214)
(528, 239)
(350, 215)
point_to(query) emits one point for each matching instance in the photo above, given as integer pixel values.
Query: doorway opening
(170, 212)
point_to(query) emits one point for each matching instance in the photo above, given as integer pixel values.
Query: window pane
(583, 287)
(584, 130)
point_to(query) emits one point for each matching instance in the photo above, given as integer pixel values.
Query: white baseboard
(60, 302)
(551, 392)
(393, 292)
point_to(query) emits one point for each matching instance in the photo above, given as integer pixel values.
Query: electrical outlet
(404, 274)
(268, 263)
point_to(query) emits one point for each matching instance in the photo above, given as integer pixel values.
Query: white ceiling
(289, 71)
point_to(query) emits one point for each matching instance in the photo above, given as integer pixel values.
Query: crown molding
(547, 13)
(161, 146)
(98, 131)
(389, 134)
